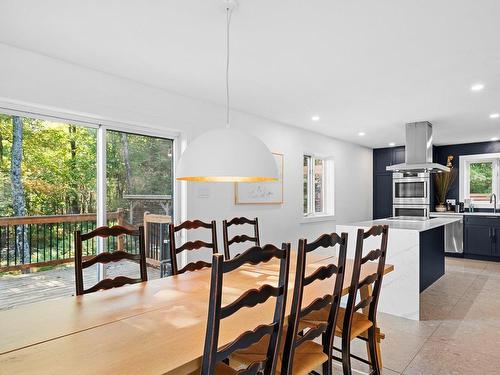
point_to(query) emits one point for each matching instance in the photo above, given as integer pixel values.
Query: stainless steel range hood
(418, 151)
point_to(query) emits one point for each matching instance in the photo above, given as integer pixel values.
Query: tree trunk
(74, 205)
(1, 148)
(128, 170)
(18, 196)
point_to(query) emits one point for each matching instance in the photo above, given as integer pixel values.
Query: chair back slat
(325, 241)
(244, 341)
(191, 245)
(193, 266)
(317, 304)
(254, 256)
(371, 256)
(251, 299)
(107, 257)
(193, 224)
(363, 303)
(335, 271)
(112, 283)
(105, 232)
(194, 245)
(239, 238)
(370, 279)
(253, 369)
(368, 304)
(312, 333)
(321, 273)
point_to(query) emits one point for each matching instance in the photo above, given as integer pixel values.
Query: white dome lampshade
(227, 155)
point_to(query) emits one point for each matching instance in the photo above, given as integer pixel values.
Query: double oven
(411, 195)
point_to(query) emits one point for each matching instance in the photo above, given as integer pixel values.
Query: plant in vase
(442, 182)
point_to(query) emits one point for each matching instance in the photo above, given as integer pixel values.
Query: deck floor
(16, 290)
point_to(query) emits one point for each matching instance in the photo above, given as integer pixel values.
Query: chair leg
(327, 366)
(372, 343)
(346, 357)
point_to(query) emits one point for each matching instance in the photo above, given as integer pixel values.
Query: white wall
(35, 79)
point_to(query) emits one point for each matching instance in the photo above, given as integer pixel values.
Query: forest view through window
(48, 190)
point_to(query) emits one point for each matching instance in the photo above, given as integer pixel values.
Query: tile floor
(460, 330)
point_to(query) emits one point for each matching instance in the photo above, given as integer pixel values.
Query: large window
(318, 186)
(480, 178)
(49, 188)
(139, 175)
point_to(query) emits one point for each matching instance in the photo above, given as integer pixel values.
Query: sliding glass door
(49, 188)
(139, 188)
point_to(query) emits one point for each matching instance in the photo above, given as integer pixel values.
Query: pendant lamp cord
(228, 21)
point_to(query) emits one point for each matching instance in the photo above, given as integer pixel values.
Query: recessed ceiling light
(477, 87)
(392, 144)
(494, 139)
(495, 115)
(315, 118)
(361, 134)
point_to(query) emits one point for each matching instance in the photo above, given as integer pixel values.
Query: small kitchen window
(318, 186)
(480, 178)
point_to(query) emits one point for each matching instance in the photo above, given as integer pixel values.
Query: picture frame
(261, 192)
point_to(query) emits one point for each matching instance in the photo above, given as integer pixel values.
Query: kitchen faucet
(493, 198)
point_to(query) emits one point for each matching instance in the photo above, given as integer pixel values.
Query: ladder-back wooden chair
(299, 354)
(107, 257)
(239, 238)
(191, 245)
(359, 319)
(215, 358)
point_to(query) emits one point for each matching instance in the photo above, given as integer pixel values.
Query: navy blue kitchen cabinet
(477, 240)
(382, 195)
(398, 155)
(382, 179)
(481, 237)
(496, 241)
(382, 157)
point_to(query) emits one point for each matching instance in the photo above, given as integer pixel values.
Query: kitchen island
(416, 249)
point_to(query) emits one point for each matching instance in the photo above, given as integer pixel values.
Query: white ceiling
(360, 65)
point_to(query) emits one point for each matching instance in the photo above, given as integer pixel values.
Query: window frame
(102, 125)
(464, 180)
(327, 192)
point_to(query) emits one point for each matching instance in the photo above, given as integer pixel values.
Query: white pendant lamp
(225, 154)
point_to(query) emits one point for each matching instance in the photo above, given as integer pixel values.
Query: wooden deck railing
(36, 241)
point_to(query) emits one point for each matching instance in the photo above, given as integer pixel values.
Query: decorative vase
(440, 208)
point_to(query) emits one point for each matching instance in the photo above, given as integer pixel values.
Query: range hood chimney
(418, 151)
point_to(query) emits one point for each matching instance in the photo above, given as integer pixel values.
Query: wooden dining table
(154, 327)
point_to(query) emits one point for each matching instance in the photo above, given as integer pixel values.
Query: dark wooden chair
(239, 238)
(107, 257)
(354, 323)
(299, 354)
(191, 245)
(215, 359)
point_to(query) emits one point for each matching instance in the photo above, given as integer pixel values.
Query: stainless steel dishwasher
(453, 233)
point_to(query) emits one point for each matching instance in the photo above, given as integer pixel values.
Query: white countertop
(418, 226)
(460, 214)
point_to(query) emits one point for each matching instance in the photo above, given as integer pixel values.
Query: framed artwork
(261, 192)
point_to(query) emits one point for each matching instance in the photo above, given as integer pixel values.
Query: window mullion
(311, 186)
